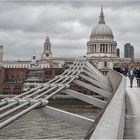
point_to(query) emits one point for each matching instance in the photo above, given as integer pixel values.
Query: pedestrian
(138, 77)
(126, 71)
(131, 75)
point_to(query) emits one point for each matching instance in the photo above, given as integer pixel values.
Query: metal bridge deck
(133, 111)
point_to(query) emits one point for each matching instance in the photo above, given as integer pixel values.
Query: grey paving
(132, 125)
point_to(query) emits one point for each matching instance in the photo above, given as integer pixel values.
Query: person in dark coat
(138, 77)
(131, 75)
(126, 71)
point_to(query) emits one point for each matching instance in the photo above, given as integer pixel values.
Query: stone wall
(111, 124)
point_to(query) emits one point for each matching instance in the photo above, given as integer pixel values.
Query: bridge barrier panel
(111, 124)
(114, 79)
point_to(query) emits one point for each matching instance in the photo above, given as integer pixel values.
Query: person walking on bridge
(131, 75)
(138, 77)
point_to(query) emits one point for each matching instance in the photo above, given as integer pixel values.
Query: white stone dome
(101, 30)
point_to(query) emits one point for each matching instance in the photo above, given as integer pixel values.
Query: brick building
(12, 79)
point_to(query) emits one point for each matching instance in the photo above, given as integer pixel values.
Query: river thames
(37, 124)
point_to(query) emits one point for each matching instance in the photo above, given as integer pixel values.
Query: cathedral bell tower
(47, 54)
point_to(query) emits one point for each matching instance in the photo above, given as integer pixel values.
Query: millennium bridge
(118, 105)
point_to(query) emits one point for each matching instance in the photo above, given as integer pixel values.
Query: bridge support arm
(99, 91)
(97, 83)
(96, 73)
(94, 69)
(91, 100)
(76, 120)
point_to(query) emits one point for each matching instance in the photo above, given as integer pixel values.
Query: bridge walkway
(132, 127)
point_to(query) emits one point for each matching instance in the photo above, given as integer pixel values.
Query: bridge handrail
(111, 124)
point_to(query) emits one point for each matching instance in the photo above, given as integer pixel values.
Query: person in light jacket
(131, 75)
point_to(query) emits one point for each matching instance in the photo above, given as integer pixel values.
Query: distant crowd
(125, 70)
(131, 72)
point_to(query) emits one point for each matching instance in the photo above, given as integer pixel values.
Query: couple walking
(132, 72)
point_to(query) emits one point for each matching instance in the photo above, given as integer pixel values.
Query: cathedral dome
(102, 30)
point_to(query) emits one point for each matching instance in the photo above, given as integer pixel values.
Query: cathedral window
(106, 48)
(103, 48)
(88, 49)
(47, 55)
(105, 64)
(111, 48)
(100, 47)
(92, 48)
(95, 48)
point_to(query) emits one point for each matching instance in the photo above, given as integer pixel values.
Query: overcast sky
(25, 25)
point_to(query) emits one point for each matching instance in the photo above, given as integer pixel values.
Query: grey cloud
(24, 26)
(76, 3)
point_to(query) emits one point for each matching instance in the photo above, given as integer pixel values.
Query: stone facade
(101, 48)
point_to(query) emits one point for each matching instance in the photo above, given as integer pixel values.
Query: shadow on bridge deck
(132, 127)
